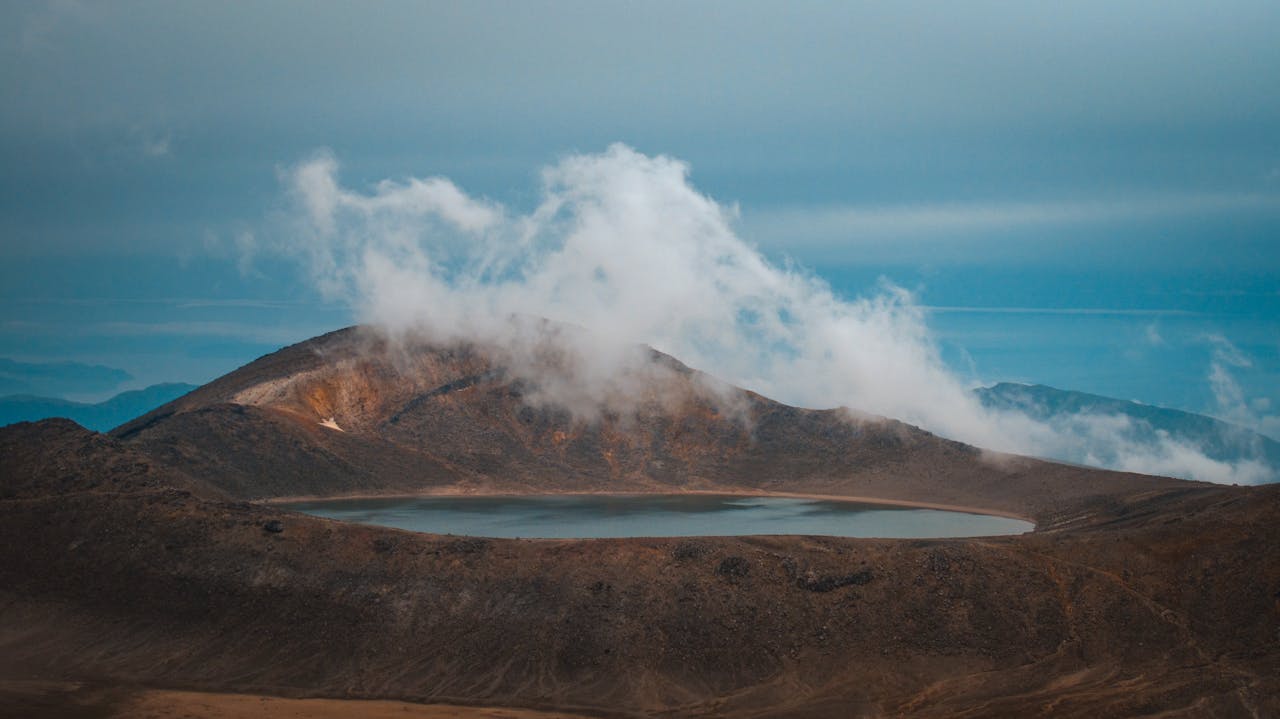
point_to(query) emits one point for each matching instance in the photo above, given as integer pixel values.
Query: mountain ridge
(57, 378)
(425, 416)
(100, 416)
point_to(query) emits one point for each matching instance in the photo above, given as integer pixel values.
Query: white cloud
(1132, 445)
(1171, 458)
(1153, 336)
(157, 147)
(1229, 397)
(623, 245)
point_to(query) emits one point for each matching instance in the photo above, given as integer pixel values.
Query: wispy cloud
(183, 303)
(1231, 402)
(1151, 333)
(156, 147)
(240, 304)
(954, 219)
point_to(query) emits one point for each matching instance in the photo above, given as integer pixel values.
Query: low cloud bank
(622, 244)
(1225, 454)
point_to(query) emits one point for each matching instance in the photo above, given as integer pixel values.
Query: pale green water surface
(660, 515)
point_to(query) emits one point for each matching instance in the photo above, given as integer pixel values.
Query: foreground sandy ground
(198, 705)
(74, 700)
(121, 576)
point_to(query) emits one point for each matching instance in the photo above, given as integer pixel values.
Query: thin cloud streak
(804, 226)
(229, 330)
(175, 302)
(1063, 311)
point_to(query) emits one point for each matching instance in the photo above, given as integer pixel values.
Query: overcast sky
(129, 125)
(1098, 155)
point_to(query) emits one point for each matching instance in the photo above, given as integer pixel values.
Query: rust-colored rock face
(353, 412)
(134, 560)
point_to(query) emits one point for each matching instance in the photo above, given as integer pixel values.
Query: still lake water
(662, 515)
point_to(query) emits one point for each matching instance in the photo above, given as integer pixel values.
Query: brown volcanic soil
(423, 418)
(162, 705)
(134, 562)
(1164, 603)
(57, 700)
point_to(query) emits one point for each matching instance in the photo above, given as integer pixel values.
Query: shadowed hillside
(1164, 604)
(132, 562)
(421, 417)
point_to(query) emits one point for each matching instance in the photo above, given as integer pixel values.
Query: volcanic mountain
(355, 412)
(151, 560)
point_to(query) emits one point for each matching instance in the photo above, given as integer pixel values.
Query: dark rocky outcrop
(734, 567)
(814, 582)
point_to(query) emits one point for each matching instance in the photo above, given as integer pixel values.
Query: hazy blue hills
(57, 378)
(1140, 425)
(99, 417)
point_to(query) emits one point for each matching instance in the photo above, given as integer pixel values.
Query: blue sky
(1086, 195)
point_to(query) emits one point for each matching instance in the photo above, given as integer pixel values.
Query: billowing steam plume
(623, 245)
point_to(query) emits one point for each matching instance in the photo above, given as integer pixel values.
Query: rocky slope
(134, 560)
(1166, 604)
(420, 417)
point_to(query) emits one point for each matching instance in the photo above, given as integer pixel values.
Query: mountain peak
(541, 413)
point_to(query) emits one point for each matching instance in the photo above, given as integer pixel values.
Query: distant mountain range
(99, 417)
(1147, 425)
(57, 378)
(354, 411)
